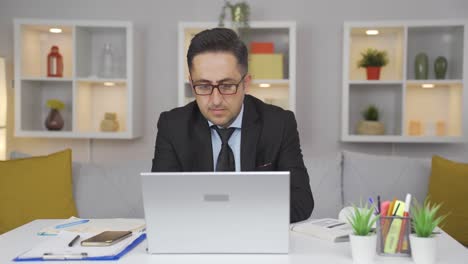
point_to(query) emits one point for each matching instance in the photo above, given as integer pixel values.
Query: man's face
(219, 68)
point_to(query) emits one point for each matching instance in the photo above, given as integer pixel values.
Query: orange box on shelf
(262, 47)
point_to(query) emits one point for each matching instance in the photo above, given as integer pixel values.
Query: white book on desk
(326, 228)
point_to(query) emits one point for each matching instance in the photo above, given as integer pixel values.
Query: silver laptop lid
(217, 212)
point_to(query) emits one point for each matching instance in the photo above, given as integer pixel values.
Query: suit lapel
(249, 136)
(202, 152)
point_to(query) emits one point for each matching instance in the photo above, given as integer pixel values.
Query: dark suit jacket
(269, 142)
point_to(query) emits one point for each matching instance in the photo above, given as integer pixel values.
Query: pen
(396, 209)
(52, 256)
(402, 242)
(73, 241)
(378, 204)
(371, 201)
(72, 223)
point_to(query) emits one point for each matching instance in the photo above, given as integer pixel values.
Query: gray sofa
(114, 190)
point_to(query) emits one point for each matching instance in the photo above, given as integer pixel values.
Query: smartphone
(106, 238)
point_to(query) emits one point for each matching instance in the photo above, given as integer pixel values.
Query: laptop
(216, 212)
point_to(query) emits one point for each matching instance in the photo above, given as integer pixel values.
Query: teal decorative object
(440, 67)
(421, 64)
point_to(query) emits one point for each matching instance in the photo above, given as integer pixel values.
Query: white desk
(303, 250)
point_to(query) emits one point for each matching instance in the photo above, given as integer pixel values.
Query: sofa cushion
(367, 176)
(111, 190)
(448, 185)
(325, 183)
(34, 188)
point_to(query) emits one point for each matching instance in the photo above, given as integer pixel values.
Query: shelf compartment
(34, 111)
(94, 99)
(386, 97)
(90, 44)
(277, 94)
(437, 41)
(390, 39)
(36, 42)
(278, 36)
(434, 111)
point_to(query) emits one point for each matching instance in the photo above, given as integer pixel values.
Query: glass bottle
(107, 67)
(54, 63)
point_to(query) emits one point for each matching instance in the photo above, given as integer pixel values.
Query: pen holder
(393, 236)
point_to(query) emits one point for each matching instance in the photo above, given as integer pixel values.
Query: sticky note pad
(393, 236)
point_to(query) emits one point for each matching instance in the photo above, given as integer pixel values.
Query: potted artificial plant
(240, 13)
(370, 125)
(423, 242)
(373, 60)
(54, 120)
(363, 239)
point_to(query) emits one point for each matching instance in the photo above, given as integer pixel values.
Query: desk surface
(303, 249)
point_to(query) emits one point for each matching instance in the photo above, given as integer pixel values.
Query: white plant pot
(423, 249)
(363, 248)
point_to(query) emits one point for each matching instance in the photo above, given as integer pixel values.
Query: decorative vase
(363, 248)
(373, 73)
(423, 249)
(110, 123)
(370, 128)
(54, 63)
(440, 67)
(421, 64)
(54, 120)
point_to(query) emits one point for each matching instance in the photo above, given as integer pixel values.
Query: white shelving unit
(400, 98)
(283, 34)
(86, 94)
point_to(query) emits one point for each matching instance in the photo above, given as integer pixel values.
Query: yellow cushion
(35, 188)
(448, 184)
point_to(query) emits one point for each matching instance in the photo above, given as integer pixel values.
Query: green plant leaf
(362, 220)
(371, 113)
(373, 58)
(425, 218)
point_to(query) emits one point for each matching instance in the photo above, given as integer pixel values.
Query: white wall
(319, 49)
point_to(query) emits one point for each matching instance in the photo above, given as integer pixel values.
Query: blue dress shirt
(234, 141)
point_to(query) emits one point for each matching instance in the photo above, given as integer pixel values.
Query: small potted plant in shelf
(54, 120)
(373, 60)
(363, 239)
(423, 242)
(370, 125)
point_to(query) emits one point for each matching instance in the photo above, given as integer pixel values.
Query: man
(227, 130)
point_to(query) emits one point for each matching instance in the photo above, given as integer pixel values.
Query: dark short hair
(219, 40)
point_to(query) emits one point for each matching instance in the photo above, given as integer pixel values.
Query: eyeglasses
(223, 88)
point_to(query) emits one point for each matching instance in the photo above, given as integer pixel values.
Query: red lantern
(54, 63)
